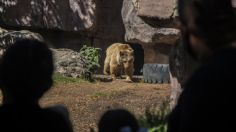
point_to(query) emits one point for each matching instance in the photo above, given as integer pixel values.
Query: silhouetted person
(118, 121)
(26, 70)
(207, 103)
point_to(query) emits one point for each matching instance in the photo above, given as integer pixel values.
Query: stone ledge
(163, 9)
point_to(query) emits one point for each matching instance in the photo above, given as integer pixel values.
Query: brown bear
(119, 57)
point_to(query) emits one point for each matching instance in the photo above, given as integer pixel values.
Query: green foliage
(156, 121)
(160, 128)
(60, 79)
(92, 55)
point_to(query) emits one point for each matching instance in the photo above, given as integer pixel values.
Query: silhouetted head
(206, 25)
(26, 70)
(118, 120)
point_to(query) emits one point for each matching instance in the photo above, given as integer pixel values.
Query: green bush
(92, 56)
(155, 121)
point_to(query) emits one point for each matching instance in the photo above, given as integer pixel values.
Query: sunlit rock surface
(162, 9)
(69, 63)
(66, 15)
(9, 37)
(136, 14)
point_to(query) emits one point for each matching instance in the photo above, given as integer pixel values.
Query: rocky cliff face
(134, 14)
(67, 15)
(152, 24)
(113, 19)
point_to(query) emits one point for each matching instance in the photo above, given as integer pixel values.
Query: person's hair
(214, 20)
(26, 69)
(115, 120)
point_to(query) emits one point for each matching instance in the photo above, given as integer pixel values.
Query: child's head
(117, 121)
(26, 70)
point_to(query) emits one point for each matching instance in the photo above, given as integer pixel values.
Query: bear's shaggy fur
(119, 57)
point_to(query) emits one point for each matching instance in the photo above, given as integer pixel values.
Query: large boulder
(66, 15)
(69, 63)
(134, 14)
(162, 9)
(9, 37)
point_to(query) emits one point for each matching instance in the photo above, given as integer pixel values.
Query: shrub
(92, 55)
(156, 121)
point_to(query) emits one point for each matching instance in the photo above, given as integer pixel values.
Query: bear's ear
(131, 51)
(126, 46)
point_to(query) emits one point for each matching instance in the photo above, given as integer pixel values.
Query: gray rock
(69, 63)
(9, 37)
(137, 31)
(67, 15)
(162, 9)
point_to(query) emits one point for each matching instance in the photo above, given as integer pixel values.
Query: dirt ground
(88, 101)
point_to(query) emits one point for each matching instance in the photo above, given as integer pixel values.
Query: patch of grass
(100, 94)
(156, 121)
(60, 79)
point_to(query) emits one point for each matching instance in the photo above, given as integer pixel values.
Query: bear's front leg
(106, 69)
(113, 71)
(129, 72)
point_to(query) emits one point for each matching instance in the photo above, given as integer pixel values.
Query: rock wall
(109, 20)
(67, 15)
(143, 20)
(149, 24)
(138, 31)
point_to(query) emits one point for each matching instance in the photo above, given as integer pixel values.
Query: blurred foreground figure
(209, 34)
(26, 70)
(119, 121)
